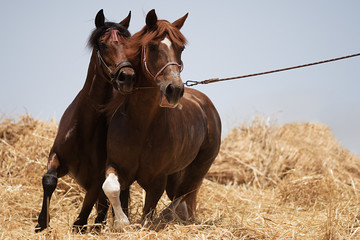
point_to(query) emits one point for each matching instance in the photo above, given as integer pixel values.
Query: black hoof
(79, 229)
(38, 228)
(99, 225)
(97, 228)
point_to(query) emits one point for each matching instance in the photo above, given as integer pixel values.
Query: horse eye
(102, 45)
(152, 47)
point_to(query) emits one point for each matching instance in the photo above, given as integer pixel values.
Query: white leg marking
(167, 42)
(111, 189)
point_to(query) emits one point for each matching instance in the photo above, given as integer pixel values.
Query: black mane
(98, 32)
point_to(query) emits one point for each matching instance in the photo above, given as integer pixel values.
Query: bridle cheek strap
(162, 69)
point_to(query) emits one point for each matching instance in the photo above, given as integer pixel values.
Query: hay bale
(24, 144)
(262, 153)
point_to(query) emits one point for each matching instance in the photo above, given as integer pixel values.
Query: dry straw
(269, 182)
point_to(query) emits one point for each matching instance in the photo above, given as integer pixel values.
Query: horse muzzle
(124, 80)
(171, 94)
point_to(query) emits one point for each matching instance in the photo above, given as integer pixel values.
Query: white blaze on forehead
(167, 42)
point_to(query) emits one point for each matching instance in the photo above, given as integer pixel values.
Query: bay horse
(166, 136)
(79, 148)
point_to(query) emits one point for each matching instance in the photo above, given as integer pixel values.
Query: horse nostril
(182, 92)
(169, 90)
(133, 76)
(122, 76)
(174, 91)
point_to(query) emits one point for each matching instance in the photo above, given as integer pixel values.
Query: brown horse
(80, 145)
(165, 136)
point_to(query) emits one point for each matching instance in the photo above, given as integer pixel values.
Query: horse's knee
(49, 182)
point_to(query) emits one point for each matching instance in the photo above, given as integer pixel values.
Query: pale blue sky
(44, 57)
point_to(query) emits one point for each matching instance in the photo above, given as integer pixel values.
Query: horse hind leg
(180, 209)
(169, 213)
(190, 183)
(187, 192)
(49, 182)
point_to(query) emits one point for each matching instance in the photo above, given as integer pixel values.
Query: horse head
(109, 40)
(161, 57)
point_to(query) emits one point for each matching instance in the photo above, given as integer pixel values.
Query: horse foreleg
(111, 189)
(49, 182)
(89, 201)
(102, 207)
(153, 194)
(124, 199)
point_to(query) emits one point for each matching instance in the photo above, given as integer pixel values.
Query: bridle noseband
(114, 73)
(181, 66)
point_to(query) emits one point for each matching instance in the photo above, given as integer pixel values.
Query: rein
(181, 66)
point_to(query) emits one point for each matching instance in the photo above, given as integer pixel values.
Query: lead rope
(191, 83)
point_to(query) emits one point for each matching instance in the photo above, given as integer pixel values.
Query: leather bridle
(181, 66)
(111, 76)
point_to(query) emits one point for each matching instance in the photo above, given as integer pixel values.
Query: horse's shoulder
(193, 94)
(70, 119)
(197, 97)
(203, 102)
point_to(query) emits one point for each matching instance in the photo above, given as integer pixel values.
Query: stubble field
(270, 181)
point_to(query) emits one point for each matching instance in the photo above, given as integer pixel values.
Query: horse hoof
(38, 228)
(120, 224)
(79, 229)
(166, 216)
(97, 228)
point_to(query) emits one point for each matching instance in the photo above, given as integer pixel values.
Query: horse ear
(126, 22)
(151, 19)
(180, 22)
(100, 19)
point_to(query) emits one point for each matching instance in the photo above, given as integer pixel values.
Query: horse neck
(96, 86)
(144, 102)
